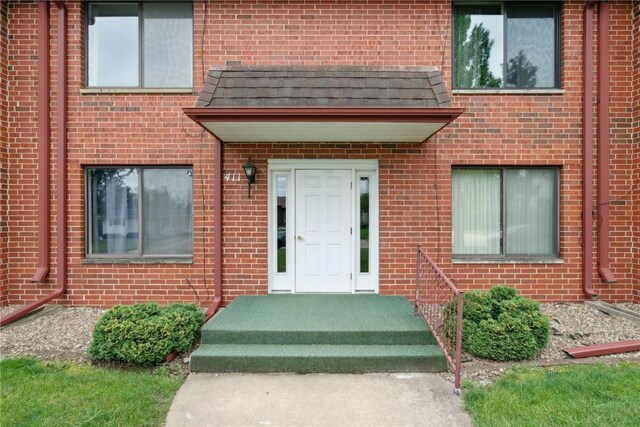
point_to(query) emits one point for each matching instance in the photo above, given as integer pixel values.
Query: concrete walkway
(316, 400)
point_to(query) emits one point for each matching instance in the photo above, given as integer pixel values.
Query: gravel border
(572, 325)
(66, 334)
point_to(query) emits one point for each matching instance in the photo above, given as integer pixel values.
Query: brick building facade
(4, 151)
(636, 148)
(145, 128)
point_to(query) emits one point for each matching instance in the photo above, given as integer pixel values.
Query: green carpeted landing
(317, 333)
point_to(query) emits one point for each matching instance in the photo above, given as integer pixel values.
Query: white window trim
(365, 282)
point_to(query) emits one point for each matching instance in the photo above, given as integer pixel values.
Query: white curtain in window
(120, 225)
(476, 211)
(531, 212)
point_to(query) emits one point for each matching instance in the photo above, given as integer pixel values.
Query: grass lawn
(36, 393)
(577, 395)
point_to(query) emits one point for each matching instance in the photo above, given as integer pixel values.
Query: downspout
(61, 255)
(217, 226)
(61, 195)
(587, 151)
(603, 142)
(44, 218)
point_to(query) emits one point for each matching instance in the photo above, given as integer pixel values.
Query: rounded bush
(477, 306)
(500, 325)
(145, 334)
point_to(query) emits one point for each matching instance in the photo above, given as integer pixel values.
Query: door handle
(299, 238)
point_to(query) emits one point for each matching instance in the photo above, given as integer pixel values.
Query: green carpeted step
(318, 333)
(331, 337)
(318, 319)
(318, 358)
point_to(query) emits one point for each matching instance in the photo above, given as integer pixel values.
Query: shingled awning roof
(324, 104)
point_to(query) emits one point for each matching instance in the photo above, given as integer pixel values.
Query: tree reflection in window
(281, 226)
(505, 45)
(364, 225)
(521, 72)
(477, 56)
(135, 212)
(113, 211)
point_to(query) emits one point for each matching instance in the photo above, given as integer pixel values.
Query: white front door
(323, 229)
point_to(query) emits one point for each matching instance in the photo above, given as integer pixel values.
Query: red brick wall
(621, 125)
(540, 130)
(621, 152)
(22, 113)
(141, 129)
(110, 129)
(636, 147)
(404, 198)
(4, 147)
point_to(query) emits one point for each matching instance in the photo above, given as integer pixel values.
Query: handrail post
(458, 369)
(415, 303)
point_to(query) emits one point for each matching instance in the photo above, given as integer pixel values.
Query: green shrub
(477, 306)
(502, 293)
(145, 334)
(500, 325)
(529, 312)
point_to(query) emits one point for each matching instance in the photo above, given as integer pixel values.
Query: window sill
(507, 261)
(508, 91)
(120, 90)
(90, 261)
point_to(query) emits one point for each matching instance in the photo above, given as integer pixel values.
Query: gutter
(61, 194)
(602, 349)
(44, 217)
(603, 142)
(587, 151)
(323, 114)
(210, 117)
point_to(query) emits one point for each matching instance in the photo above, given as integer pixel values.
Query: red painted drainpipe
(61, 254)
(44, 218)
(587, 151)
(217, 226)
(603, 142)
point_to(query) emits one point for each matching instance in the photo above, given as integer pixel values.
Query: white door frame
(284, 170)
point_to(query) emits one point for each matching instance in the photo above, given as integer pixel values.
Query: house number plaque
(231, 176)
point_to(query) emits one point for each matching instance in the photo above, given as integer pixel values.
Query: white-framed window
(281, 204)
(134, 212)
(505, 212)
(508, 45)
(366, 226)
(143, 44)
